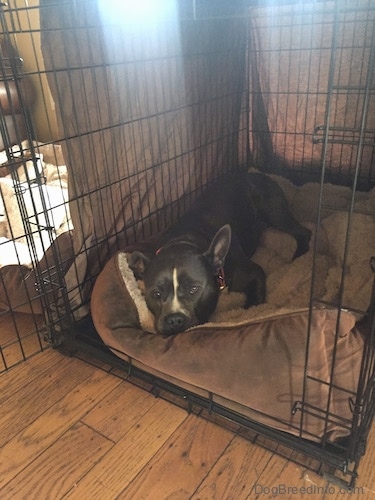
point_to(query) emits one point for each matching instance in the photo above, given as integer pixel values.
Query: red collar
(221, 278)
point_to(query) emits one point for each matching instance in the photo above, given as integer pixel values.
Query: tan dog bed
(253, 361)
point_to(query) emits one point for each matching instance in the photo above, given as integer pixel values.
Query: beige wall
(28, 45)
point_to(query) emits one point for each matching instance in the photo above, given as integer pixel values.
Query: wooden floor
(69, 429)
(19, 338)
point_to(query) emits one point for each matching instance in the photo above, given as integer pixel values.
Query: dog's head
(181, 285)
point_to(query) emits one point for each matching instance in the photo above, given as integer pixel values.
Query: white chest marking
(176, 306)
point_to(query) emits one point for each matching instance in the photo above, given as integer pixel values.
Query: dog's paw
(303, 243)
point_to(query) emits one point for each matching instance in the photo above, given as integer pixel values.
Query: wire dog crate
(115, 125)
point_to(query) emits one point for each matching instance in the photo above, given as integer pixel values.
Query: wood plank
(16, 330)
(131, 454)
(24, 406)
(30, 346)
(285, 478)
(54, 422)
(58, 468)
(182, 463)
(14, 325)
(235, 473)
(27, 372)
(366, 466)
(120, 411)
(34, 457)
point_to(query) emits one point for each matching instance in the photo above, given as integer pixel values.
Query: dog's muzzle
(175, 323)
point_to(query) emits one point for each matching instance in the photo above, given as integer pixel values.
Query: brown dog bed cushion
(255, 368)
(253, 361)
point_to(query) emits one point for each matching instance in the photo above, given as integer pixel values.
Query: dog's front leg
(249, 279)
(245, 276)
(256, 290)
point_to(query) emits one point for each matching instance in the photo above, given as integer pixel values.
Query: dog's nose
(175, 323)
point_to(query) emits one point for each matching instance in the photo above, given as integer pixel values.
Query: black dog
(218, 237)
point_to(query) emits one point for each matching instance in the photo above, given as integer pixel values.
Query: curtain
(292, 50)
(148, 111)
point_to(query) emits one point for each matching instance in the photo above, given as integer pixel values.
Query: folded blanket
(46, 206)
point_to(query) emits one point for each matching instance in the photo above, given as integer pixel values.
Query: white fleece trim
(146, 318)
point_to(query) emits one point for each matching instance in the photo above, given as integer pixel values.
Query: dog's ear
(219, 246)
(137, 263)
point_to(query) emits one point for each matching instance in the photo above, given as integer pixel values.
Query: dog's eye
(155, 294)
(194, 289)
